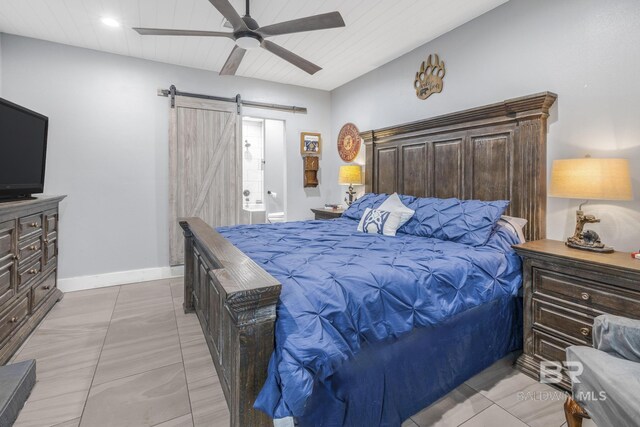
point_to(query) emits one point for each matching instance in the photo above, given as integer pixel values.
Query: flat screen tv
(23, 150)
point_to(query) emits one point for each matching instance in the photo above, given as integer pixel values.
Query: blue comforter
(342, 289)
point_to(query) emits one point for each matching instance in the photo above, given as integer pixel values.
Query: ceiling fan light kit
(248, 42)
(247, 34)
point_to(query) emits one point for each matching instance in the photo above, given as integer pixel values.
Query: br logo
(551, 372)
(429, 79)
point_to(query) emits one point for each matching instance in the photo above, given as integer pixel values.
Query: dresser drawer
(7, 282)
(50, 222)
(28, 250)
(29, 273)
(7, 262)
(12, 318)
(50, 249)
(586, 294)
(548, 347)
(572, 325)
(29, 225)
(42, 290)
(7, 231)
(552, 349)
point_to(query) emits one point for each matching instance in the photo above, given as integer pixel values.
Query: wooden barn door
(205, 156)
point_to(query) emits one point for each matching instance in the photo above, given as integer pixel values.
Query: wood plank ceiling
(377, 32)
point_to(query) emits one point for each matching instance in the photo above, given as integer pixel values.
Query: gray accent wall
(108, 145)
(586, 51)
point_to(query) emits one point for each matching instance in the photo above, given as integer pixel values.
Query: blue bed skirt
(386, 384)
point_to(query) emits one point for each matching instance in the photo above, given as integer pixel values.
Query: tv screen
(23, 149)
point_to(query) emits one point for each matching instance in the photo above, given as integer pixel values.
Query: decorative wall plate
(349, 142)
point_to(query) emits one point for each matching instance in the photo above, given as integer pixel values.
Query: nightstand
(564, 289)
(327, 213)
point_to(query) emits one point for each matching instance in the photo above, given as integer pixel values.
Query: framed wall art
(310, 143)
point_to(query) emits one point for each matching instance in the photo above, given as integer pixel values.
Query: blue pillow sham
(468, 222)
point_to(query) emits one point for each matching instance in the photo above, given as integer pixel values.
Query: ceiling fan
(247, 34)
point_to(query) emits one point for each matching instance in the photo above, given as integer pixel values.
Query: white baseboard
(118, 278)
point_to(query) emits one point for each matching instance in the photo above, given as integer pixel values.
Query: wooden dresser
(564, 289)
(28, 268)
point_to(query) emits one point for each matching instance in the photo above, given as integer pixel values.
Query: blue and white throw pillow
(394, 204)
(377, 221)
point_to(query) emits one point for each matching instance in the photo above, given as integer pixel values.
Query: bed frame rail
(235, 301)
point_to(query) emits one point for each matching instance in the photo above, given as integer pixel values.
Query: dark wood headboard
(495, 152)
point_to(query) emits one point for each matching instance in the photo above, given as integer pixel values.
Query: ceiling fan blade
(225, 8)
(233, 61)
(166, 32)
(291, 57)
(310, 23)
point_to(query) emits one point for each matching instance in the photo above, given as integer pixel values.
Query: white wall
(586, 51)
(108, 145)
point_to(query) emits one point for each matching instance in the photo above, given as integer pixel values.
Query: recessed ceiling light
(110, 22)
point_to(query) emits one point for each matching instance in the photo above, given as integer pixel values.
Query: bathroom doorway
(263, 170)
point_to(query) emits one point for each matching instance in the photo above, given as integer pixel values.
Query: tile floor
(128, 356)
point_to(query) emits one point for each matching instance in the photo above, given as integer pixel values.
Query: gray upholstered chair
(609, 387)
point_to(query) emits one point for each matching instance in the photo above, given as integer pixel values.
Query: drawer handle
(14, 319)
(46, 288)
(585, 296)
(33, 247)
(46, 241)
(34, 224)
(33, 271)
(585, 332)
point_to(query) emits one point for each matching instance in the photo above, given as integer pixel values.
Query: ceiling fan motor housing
(250, 22)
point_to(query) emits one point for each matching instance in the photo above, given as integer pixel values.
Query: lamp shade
(587, 178)
(350, 174)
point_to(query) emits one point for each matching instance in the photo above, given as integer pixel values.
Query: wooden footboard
(235, 300)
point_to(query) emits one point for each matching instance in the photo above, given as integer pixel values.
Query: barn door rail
(172, 92)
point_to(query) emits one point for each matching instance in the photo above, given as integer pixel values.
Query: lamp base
(351, 196)
(586, 240)
(588, 246)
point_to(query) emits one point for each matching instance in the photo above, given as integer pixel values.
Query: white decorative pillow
(378, 221)
(394, 204)
(515, 224)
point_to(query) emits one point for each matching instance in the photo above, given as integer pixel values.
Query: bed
(414, 348)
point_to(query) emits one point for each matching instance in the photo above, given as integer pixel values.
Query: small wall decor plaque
(311, 166)
(310, 143)
(429, 78)
(349, 142)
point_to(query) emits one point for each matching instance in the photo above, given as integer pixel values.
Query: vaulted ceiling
(376, 32)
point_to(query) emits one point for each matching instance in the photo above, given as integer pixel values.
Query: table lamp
(350, 175)
(590, 179)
